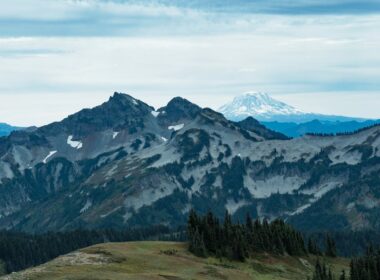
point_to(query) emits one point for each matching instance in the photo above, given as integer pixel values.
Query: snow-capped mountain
(258, 105)
(263, 107)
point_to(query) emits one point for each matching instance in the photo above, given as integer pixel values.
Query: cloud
(88, 17)
(121, 18)
(279, 57)
(81, 51)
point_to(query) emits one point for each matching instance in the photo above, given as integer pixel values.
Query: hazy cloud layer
(58, 56)
(120, 18)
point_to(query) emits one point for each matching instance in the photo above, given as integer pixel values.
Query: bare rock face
(124, 163)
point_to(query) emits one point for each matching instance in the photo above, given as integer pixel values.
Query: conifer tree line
(208, 236)
(322, 272)
(348, 243)
(366, 267)
(20, 250)
(321, 134)
(330, 247)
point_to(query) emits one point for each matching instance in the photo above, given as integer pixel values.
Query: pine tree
(330, 247)
(192, 222)
(321, 272)
(312, 247)
(249, 223)
(197, 246)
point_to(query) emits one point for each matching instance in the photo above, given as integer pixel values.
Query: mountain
(124, 163)
(258, 105)
(253, 125)
(292, 129)
(6, 129)
(169, 260)
(264, 108)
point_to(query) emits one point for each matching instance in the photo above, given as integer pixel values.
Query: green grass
(167, 261)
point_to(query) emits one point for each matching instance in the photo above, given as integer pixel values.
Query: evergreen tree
(321, 272)
(312, 247)
(330, 247)
(197, 245)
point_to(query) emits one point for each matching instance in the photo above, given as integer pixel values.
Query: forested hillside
(20, 250)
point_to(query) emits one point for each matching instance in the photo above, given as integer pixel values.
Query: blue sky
(59, 56)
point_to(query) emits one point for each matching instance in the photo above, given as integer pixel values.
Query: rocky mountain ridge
(124, 164)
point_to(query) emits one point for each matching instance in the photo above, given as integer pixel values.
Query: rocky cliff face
(125, 164)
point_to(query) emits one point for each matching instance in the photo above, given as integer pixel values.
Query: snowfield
(75, 144)
(49, 156)
(176, 127)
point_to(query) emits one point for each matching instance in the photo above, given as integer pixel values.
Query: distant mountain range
(286, 119)
(292, 129)
(124, 163)
(273, 114)
(6, 129)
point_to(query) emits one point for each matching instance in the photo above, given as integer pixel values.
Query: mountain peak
(120, 111)
(180, 108)
(181, 102)
(258, 105)
(254, 125)
(122, 99)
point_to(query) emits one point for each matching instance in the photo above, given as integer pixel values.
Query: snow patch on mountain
(155, 114)
(302, 208)
(232, 206)
(176, 127)
(321, 190)
(86, 206)
(75, 144)
(48, 156)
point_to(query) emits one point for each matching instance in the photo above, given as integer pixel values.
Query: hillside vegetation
(170, 261)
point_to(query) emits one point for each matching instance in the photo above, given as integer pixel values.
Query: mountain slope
(124, 164)
(6, 129)
(264, 108)
(253, 125)
(338, 210)
(96, 147)
(167, 260)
